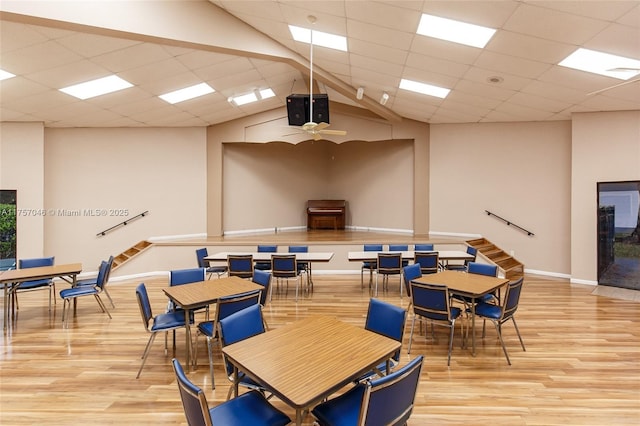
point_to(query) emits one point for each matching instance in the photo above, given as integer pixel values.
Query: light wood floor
(581, 367)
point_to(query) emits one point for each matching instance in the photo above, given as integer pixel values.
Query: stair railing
(509, 223)
(123, 223)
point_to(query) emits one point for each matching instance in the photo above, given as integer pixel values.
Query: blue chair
(387, 400)
(201, 253)
(250, 408)
(92, 282)
(264, 279)
(74, 293)
(302, 265)
(387, 320)
(370, 266)
(239, 326)
(185, 276)
(428, 261)
(410, 273)
(265, 265)
(480, 269)
(165, 322)
(431, 301)
(423, 247)
(388, 264)
(46, 283)
(240, 265)
(284, 266)
(499, 314)
(226, 306)
(400, 247)
(463, 266)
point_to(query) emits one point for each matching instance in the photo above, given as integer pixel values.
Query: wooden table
(195, 295)
(12, 278)
(468, 285)
(308, 257)
(306, 361)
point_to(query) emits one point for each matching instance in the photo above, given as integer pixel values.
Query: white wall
(520, 171)
(606, 148)
(110, 170)
(22, 168)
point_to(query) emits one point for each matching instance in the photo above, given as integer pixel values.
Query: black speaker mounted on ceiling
(298, 109)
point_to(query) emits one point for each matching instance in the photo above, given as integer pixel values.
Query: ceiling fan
(317, 130)
(634, 70)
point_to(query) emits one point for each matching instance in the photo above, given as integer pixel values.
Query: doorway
(619, 234)
(8, 233)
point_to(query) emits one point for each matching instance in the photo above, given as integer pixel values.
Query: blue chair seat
(169, 320)
(344, 410)
(247, 409)
(489, 310)
(78, 291)
(28, 285)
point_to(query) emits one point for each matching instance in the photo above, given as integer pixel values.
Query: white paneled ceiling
(516, 77)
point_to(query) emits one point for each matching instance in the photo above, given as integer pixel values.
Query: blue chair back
(428, 261)
(423, 247)
(386, 319)
(410, 273)
(232, 304)
(389, 263)
(35, 263)
(372, 247)
(267, 249)
(431, 301)
(186, 276)
(241, 325)
(391, 397)
(103, 272)
(482, 269)
(284, 265)
(143, 303)
(512, 298)
(398, 247)
(298, 249)
(240, 265)
(201, 253)
(264, 279)
(194, 401)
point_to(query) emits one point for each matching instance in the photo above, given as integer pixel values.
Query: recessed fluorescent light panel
(187, 93)
(602, 63)
(5, 75)
(455, 31)
(331, 41)
(101, 86)
(252, 97)
(425, 89)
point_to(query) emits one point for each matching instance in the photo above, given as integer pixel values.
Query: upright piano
(325, 214)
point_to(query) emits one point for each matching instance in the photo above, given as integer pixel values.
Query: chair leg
(103, 306)
(65, 303)
(110, 299)
(413, 322)
(146, 352)
(210, 349)
(518, 332)
(504, 348)
(451, 342)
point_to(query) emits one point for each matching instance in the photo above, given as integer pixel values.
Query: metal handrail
(509, 223)
(123, 223)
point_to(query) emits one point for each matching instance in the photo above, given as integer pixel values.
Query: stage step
(130, 253)
(513, 269)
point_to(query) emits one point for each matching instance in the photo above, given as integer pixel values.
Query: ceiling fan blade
(333, 132)
(613, 87)
(321, 125)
